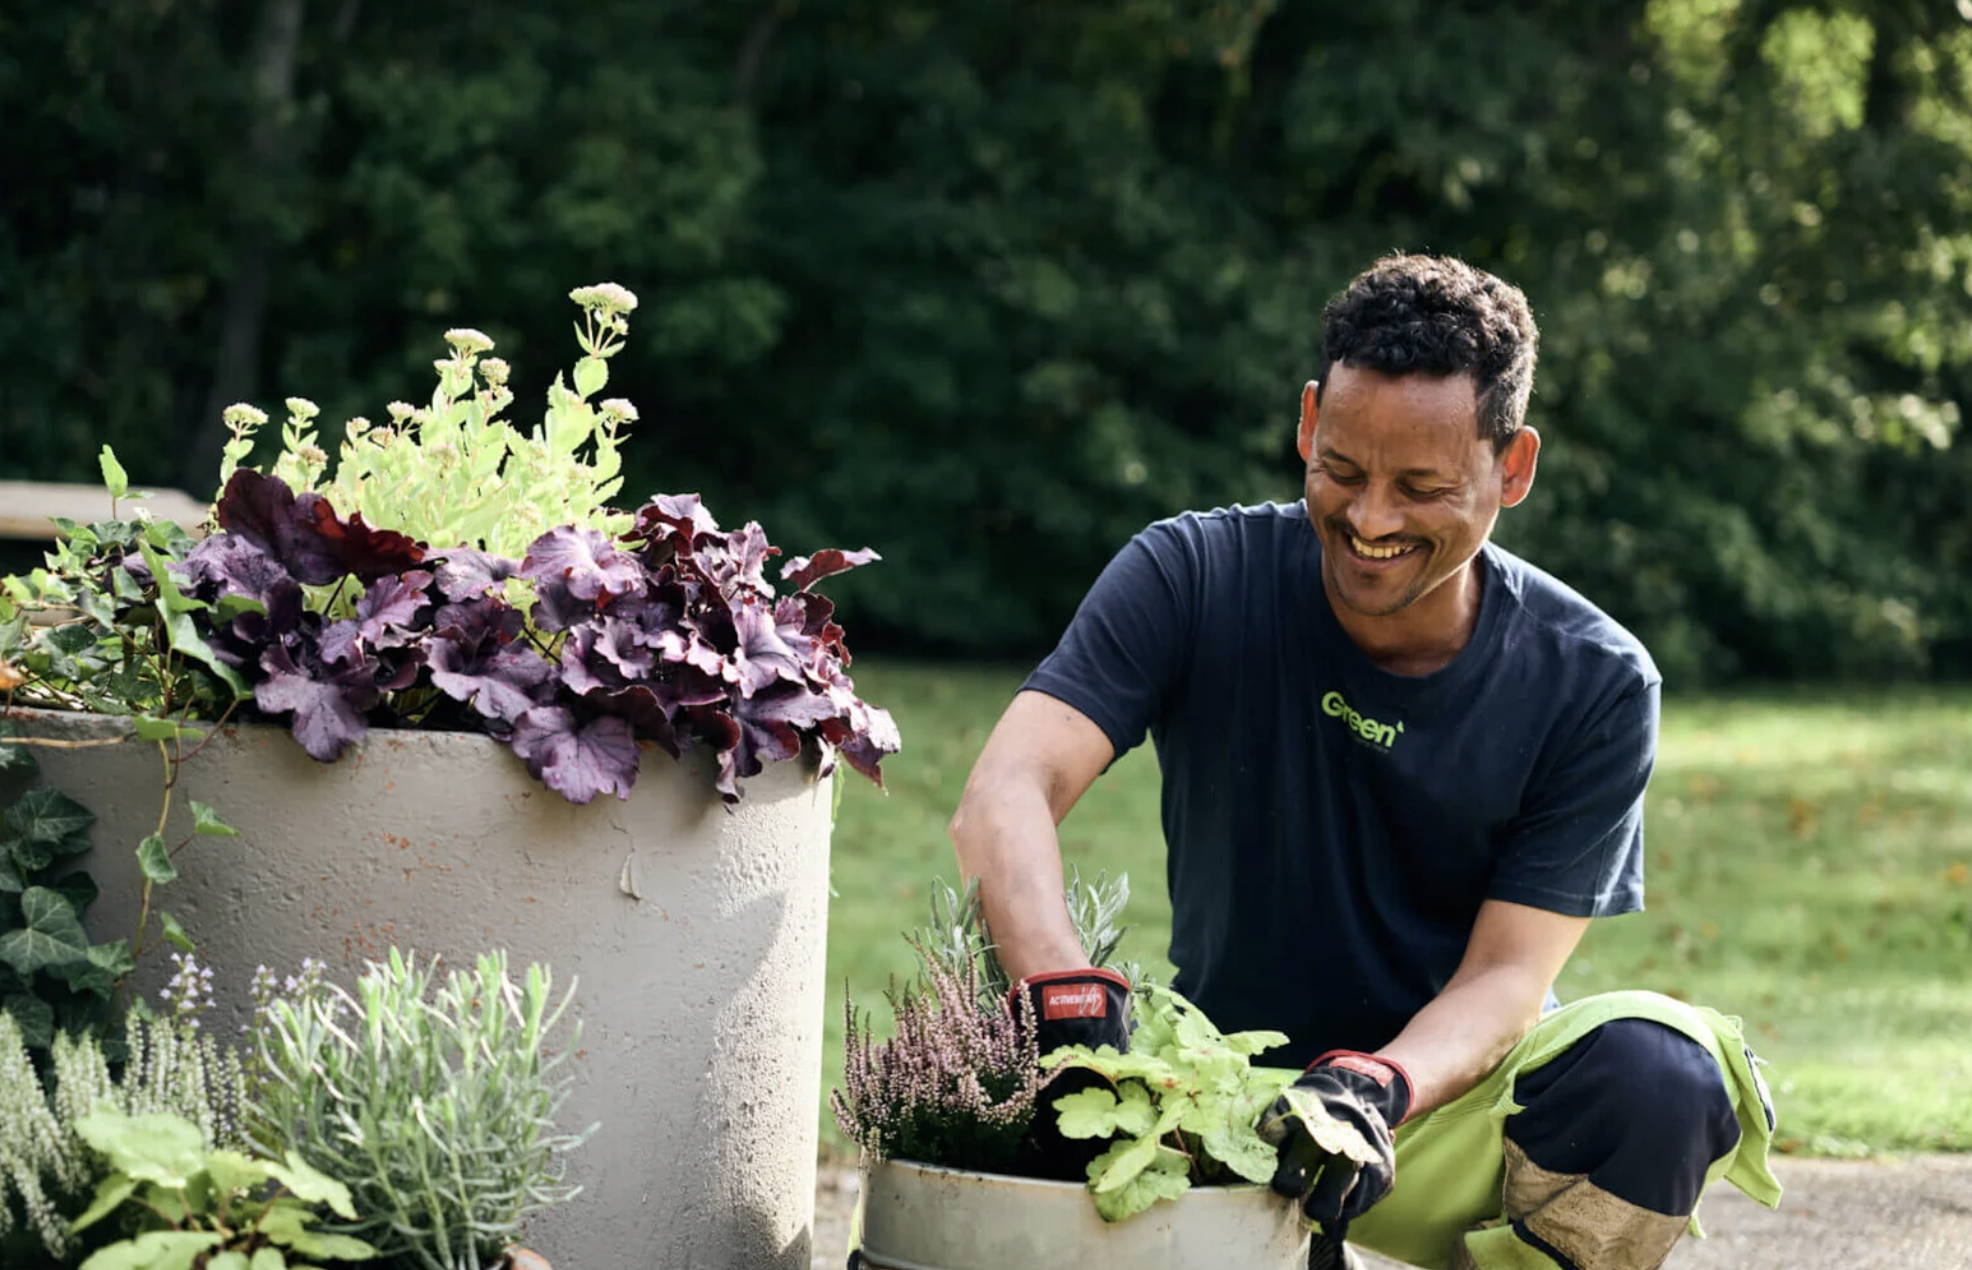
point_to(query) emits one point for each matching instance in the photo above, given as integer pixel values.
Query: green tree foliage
(989, 284)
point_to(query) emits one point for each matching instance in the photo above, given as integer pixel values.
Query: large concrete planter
(697, 936)
(917, 1217)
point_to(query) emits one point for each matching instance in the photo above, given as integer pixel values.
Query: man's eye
(1344, 478)
(1422, 495)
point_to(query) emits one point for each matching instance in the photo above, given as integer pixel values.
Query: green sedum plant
(454, 472)
(434, 1101)
(218, 1209)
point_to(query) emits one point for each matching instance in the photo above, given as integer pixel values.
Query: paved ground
(1913, 1214)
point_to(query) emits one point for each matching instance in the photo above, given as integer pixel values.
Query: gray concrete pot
(697, 936)
(917, 1217)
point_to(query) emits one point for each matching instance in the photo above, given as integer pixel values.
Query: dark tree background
(989, 284)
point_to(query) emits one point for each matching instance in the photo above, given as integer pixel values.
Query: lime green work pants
(1450, 1205)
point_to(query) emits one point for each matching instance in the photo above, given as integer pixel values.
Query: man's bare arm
(1494, 998)
(1042, 756)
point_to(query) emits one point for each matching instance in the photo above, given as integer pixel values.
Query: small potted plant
(939, 1110)
(490, 670)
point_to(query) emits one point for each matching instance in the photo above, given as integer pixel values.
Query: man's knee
(1635, 1105)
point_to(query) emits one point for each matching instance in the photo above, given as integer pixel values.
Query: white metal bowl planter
(918, 1217)
(697, 934)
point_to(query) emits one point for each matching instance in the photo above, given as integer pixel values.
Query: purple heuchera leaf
(501, 681)
(388, 612)
(465, 574)
(763, 658)
(577, 761)
(231, 564)
(805, 571)
(328, 706)
(473, 621)
(568, 564)
(676, 518)
(738, 560)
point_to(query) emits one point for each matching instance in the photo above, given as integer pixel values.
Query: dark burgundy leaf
(230, 564)
(686, 648)
(556, 608)
(328, 708)
(501, 681)
(805, 571)
(577, 761)
(673, 516)
(738, 560)
(352, 546)
(465, 574)
(303, 534)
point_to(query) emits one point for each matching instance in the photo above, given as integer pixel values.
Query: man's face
(1401, 488)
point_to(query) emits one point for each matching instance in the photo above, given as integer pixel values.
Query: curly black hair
(1434, 315)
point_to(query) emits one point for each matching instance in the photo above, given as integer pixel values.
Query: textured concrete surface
(697, 936)
(1911, 1214)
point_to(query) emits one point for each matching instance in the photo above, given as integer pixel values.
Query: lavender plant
(433, 1101)
(956, 1085)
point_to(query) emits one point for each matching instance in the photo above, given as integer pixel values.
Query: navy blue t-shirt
(1333, 828)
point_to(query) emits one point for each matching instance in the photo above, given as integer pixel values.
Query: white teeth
(1378, 553)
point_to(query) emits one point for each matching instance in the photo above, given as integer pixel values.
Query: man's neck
(1425, 636)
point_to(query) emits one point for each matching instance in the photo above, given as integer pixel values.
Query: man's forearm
(1006, 838)
(1460, 1037)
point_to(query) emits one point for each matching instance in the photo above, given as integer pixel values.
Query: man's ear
(1304, 437)
(1518, 460)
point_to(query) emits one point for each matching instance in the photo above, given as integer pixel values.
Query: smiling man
(1402, 771)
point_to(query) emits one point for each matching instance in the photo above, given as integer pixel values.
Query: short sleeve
(1126, 646)
(1577, 845)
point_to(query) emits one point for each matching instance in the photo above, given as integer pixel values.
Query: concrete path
(1911, 1214)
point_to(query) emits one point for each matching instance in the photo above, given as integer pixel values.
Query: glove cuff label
(1363, 1065)
(1074, 1001)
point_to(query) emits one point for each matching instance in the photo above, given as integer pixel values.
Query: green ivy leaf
(11, 880)
(50, 937)
(35, 1017)
(206, 821)
(171, 600)
(233, 1259)
(101, 970)
(269, 1259)
(113, 473)
(153, 729)
(49, 823)
(154, 858)
(15, 758)
(174, 934)
(80, 888)
(184, 637)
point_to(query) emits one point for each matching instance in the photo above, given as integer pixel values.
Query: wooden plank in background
(28, 508)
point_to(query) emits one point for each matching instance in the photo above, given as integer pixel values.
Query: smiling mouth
(1373, 551)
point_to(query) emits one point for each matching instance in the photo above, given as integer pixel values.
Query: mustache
(1342, 529)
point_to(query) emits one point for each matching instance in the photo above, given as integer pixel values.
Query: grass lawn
(1810, 869)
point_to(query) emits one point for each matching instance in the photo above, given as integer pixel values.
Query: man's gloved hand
(1334, 1173)
(1071, 1007)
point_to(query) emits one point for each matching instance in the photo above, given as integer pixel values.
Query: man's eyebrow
(1428, 473)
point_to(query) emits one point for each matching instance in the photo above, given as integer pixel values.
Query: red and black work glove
(1071, 1007)
(1336, 1174)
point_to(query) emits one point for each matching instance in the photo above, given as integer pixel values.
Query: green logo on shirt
(1382, 735)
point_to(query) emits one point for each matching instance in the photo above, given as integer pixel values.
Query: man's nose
(1374, 514)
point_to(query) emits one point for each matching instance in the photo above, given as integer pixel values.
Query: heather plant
(48, 1168)
(957, 1083)
(433, 1100)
